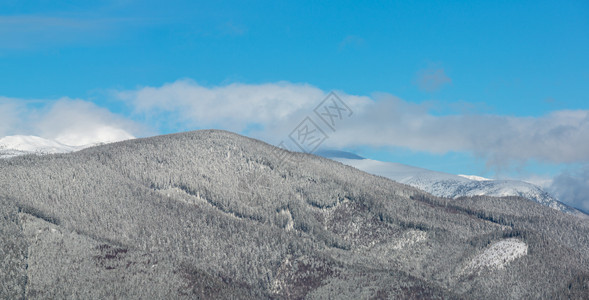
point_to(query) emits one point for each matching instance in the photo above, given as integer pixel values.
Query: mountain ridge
(453, 186)
(217, 215)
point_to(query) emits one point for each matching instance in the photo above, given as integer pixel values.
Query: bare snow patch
(497, 255)
(409, 238)
(290, 222)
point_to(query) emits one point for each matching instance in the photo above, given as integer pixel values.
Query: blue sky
(469, 69)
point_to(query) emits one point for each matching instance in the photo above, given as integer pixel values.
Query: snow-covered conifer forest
(212, 214)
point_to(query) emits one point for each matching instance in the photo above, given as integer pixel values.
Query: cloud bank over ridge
(379, 120)
(271, 111)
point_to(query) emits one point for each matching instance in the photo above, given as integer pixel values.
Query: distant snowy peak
(16, 145)
(453, 186)
(474, 177)
(30, 143)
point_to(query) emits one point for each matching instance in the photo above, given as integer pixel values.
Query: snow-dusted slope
(454, 186)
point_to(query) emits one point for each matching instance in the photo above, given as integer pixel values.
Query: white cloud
(233, 107)
(383, 120)
(10, 110)
(432, 79)
(77, 123)
(68, 121)
(572, 187)
(558, 137)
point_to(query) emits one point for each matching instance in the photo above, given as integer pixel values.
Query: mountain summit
(213, 214)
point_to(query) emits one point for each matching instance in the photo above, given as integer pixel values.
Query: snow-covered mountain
(16, 145)
(437, 183)
(450, 185)
(214, 215)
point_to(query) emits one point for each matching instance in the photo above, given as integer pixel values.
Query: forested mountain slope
(212, 214)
